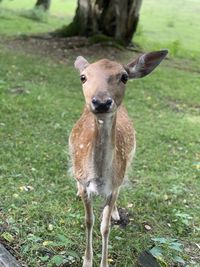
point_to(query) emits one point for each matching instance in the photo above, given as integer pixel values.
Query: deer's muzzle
(99, 106)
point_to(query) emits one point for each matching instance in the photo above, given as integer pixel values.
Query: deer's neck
(104, 144)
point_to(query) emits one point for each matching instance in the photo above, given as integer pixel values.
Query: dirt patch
(64, 50)
(124, 218)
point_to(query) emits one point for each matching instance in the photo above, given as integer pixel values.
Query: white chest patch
(99, 186)
(100, 171)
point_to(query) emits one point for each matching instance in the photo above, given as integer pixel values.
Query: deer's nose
(101, 106)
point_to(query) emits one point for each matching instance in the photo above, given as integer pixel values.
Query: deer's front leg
(105, 227)
(89, 221)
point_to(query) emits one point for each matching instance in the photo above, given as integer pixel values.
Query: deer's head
(104, 81)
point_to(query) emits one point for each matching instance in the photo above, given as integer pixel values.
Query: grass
(59, 8)
(171, 24)
(40, 99)
(19, 17)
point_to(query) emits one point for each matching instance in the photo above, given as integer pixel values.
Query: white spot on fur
(81, 146)
(100, 121)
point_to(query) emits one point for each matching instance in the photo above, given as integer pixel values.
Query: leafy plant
(66, 254)
(7, 236)
(57, 260)
(183, 217)
(167, 247)
(62, 241)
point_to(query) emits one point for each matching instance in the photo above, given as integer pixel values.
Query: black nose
(101, 106)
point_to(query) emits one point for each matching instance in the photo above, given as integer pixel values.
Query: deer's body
(101, 149)
(102, 142)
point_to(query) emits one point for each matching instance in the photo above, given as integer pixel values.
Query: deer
(102, 142)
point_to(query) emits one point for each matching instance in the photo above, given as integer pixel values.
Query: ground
(41, 220)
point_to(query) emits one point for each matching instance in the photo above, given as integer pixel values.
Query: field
(41, 219)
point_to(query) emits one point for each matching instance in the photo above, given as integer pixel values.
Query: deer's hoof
(115, 215)
(87, 263)
(104, 264)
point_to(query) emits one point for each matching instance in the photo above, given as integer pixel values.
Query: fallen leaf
(196, 165)
(165, 197)
(50, 227)
(26, 188)
(17, 90)
(7, 236)
(147, 227)
(46, 243)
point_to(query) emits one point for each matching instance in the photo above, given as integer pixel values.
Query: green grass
(171, 24)
(57, 8)
(19, 17)
(40, 216)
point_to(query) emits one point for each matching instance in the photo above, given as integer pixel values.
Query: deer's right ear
(145, 64)
(80, 63)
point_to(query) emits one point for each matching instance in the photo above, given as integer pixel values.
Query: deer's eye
(124, 78)
(83, 78)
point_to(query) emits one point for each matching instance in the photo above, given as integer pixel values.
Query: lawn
(41, 218)
(18, 17)
(171, 24)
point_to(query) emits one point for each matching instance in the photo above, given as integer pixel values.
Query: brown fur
(82, 145)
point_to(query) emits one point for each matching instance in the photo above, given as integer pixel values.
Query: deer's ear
(80, 63)
(145, 64)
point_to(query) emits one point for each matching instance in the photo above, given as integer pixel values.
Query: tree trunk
(114, 18)
(44, 4)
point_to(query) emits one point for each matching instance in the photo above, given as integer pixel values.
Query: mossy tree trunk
(43, 4)
(114, 18)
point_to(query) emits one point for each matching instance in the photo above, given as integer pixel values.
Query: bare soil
(64, 50)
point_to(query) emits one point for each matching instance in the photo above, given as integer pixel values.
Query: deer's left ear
(145, 64)
(80, 63)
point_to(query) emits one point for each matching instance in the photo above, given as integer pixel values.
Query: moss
(67, 31)
(100, 38)
(107, 40)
